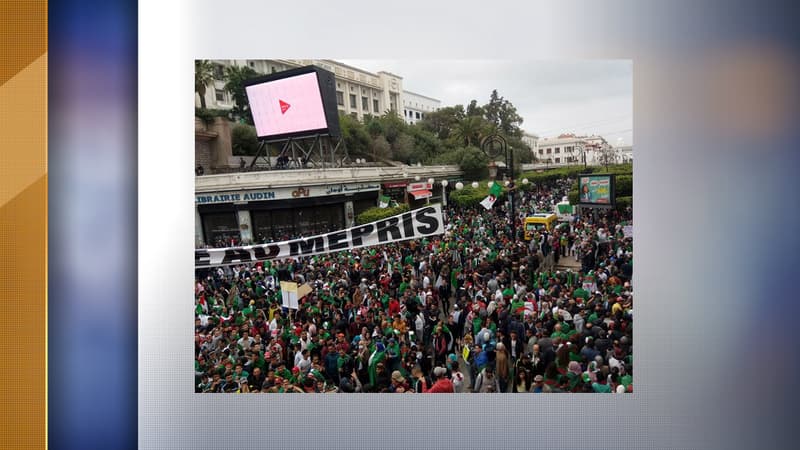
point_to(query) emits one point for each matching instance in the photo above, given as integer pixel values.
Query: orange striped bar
(23, 224)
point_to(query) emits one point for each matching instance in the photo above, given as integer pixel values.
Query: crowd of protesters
(473, 310)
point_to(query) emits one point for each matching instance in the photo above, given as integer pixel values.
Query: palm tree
(469, 130)
(203, 75)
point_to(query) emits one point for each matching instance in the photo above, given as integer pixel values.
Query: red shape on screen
(284, 106)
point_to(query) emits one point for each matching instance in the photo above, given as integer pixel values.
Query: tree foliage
(244, 141)
(376, 213)
(235, 76)
(203, 75)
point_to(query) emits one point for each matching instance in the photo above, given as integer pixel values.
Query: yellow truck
(538, 221)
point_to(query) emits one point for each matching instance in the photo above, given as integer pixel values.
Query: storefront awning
(421, 194)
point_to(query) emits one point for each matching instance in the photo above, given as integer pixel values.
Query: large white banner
(415, 224)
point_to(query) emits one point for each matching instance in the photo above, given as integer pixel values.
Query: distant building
(572, 149)
(358, 92)
(565, 149)
(415, 106)
(625, 153)
(533, 142)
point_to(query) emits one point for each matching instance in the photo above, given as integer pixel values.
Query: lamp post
(493, 151)
(444, 192)
(430, 181)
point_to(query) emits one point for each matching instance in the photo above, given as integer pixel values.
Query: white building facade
(358, 92)
(533, 142)
(415, 106)
(560, 150)
(569, 149)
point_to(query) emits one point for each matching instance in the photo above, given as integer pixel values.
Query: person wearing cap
(538, 384)
(442, 385)
(398, 383)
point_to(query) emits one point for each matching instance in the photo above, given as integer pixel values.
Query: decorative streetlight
(474, 185)
(430, 182)
(444, 192)
(416, 178)
(459, 186)
(492, 170)
(493, 146)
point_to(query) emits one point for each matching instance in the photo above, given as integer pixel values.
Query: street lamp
(459, 186)
(492, 170)
(474, 185)
(430, 182)
(489, 147)
(444, 192)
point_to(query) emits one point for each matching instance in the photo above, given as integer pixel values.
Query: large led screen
(287, 106)
(596, 190)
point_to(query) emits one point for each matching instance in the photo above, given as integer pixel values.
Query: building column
(349, 215)
(245, 226)
(198, 229)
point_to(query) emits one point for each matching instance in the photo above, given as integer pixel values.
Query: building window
(353, 101)
(541, 152)
(422, 115)
(391, 106)
(364, 103)
(354, 115)
(375, 106)
(251, 64)
(219, 71)
(417, 114)
(568, 149)
(549, 150)
(220, 95)
(273, 69)
(558, 150)
(558, 160)
(340, 98)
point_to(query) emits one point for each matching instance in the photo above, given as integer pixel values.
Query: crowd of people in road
(473, 310)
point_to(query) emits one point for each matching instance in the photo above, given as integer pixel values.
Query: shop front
(268, 215)
(396, 191)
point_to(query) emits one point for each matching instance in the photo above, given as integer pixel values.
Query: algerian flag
(518, 307)
(377, 356)
(488, 202)
(384, 201)
(496, 189)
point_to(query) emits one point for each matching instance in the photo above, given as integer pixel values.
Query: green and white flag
(494, 191)
(384, 201)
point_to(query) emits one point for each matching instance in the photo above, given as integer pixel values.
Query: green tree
(473, 162)
(469, 131)
(373, 125)
(393, 126)
(502, 114)
(244, 140)
(381, 149)
(235, 76)
(426, 145)
(441, 123)
(474, 110)
(203, 75)
(402, 148)
(355, 136)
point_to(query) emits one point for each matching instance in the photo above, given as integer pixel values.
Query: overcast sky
(553, 97)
